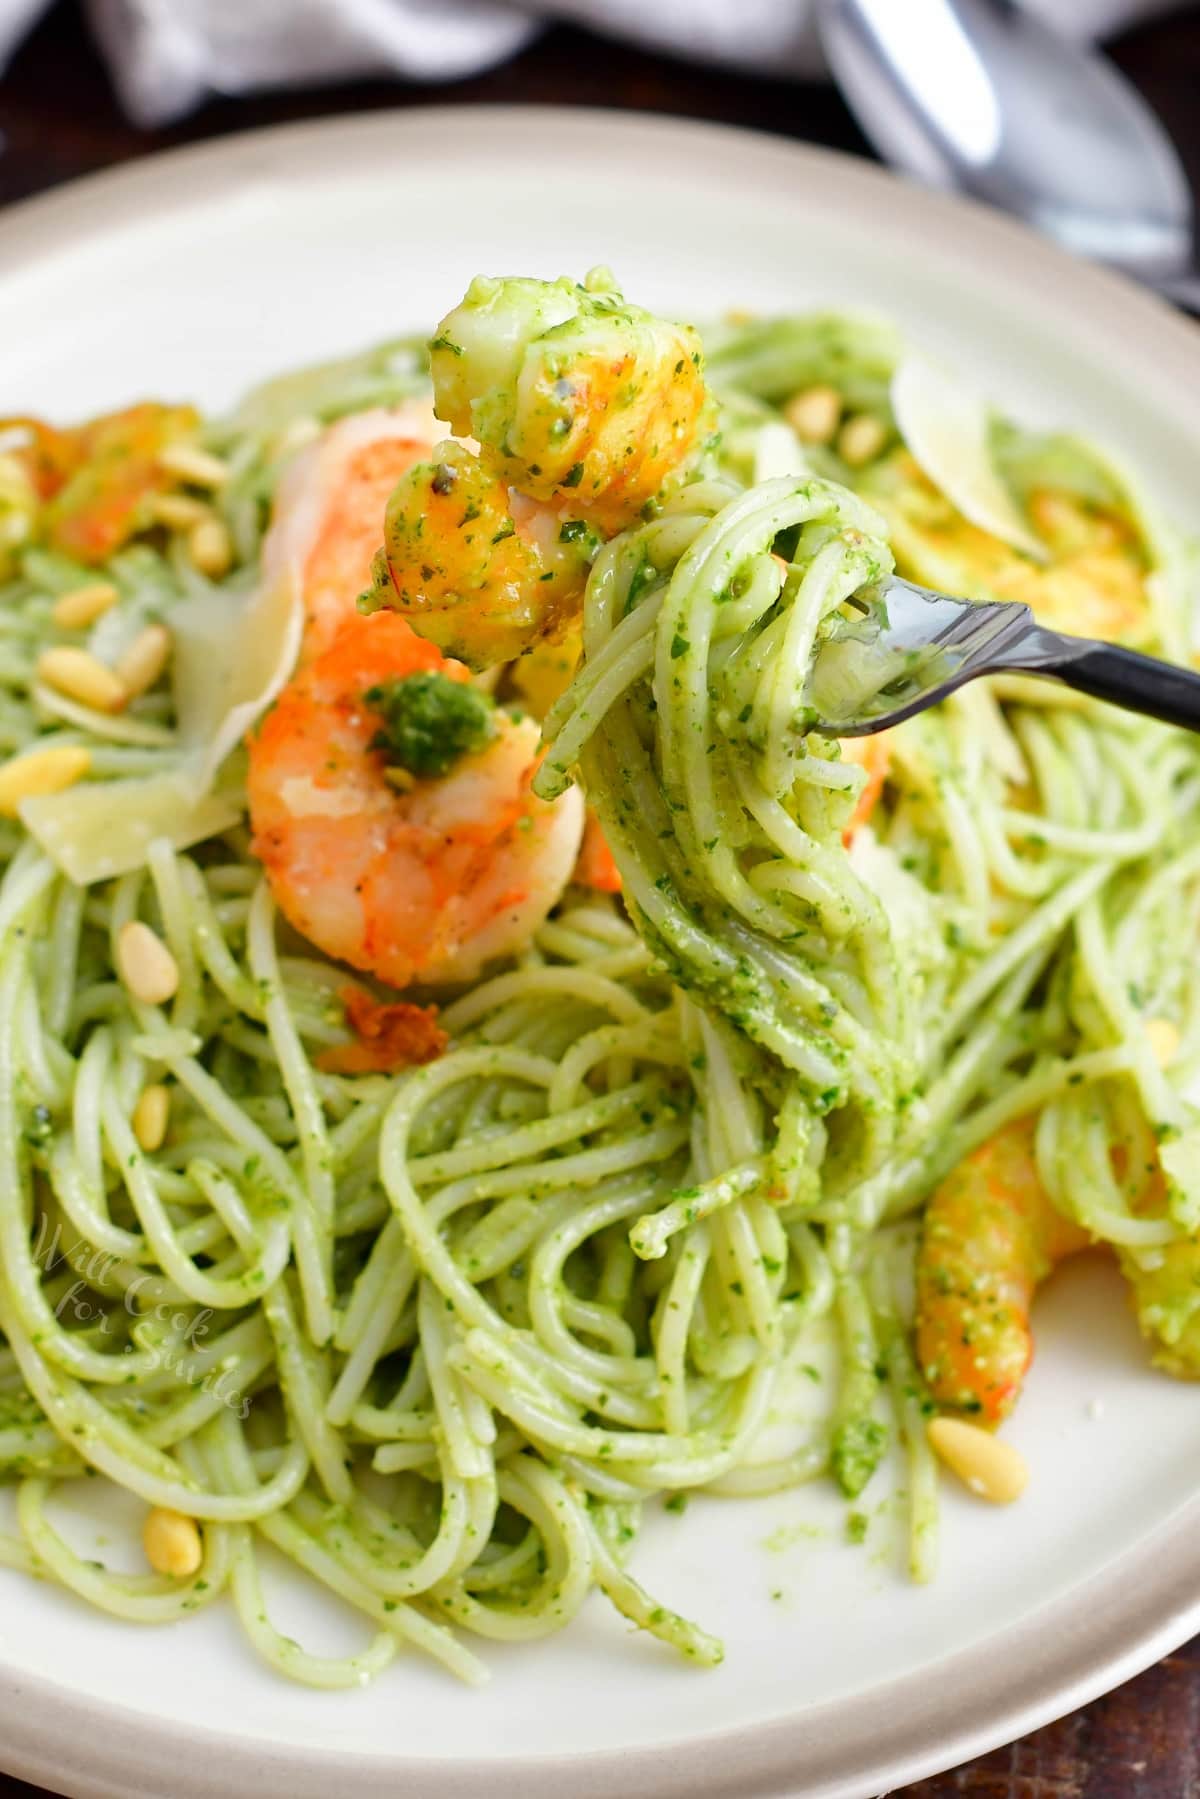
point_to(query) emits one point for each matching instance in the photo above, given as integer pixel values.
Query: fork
(911, 646)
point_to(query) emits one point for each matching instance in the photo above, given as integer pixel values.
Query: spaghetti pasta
(439, 1337)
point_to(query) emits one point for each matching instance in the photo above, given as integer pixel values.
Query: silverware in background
(980, 96)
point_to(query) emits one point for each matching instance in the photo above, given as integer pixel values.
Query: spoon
(911, 646)
(981, 96)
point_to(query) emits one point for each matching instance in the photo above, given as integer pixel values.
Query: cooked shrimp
(597, 866)
(95, 481)
(990, 1237)
(1093, 583)
(583, 408)
(574, 395)
(329, 507)
(395, 820)
(477, 568)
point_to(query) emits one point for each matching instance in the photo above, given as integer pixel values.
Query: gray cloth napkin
(166, 56)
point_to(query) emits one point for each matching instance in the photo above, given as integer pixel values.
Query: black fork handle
(1143, 684)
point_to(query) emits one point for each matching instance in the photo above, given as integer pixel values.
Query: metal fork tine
(925, 644)
(929, 644)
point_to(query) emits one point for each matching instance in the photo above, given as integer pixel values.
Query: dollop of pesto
(430, 722)
(858, 1447)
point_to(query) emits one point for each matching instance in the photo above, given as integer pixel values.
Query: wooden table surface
(58, 120)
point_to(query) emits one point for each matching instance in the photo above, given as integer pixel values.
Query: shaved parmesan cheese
(233, 651)
(233, 654)
(945, 424)
(99, 829)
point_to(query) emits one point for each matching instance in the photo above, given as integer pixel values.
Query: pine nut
(210, 546)
(172, 1543)
(83, 677)
(151, 1116)
(82, 606)
(990, 1468)
(50, 770)
(861, 439)
(814, 413)
(194, 465)
(1164, 1040)
(177, 511)
(145, 964)
(140, 666)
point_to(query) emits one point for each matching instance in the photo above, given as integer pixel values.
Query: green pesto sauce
(429, 722)
(857, 1449)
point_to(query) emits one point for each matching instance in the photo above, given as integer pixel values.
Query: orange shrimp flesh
(604, 433)
(326, 516)
(990, 1237)
(577, 398)
(540, 677)
(597, 866)
(423, 881)
(479, 570)
(95, 480)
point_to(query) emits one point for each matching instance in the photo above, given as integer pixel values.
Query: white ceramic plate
(197, 273)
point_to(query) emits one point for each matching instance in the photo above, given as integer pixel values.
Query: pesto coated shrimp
(990, 1238)
(583, 407)
(391, 807)
(476, 567)
(574, 395)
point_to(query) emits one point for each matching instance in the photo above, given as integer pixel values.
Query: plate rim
(1098, 1632)
(111, 1752)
